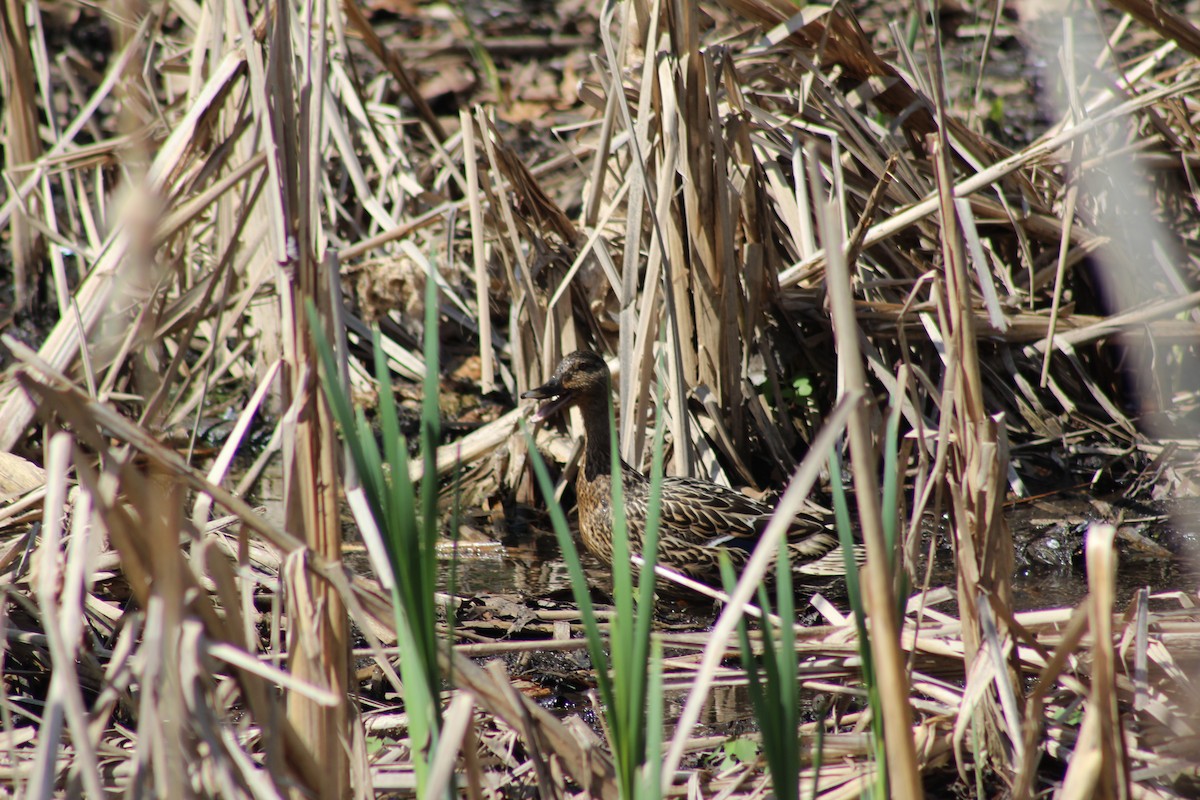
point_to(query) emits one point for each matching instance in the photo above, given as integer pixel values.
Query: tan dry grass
(174, 236)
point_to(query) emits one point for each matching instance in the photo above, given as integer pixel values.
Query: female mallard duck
(699, 519)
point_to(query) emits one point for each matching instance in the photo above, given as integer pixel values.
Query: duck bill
(556, 399)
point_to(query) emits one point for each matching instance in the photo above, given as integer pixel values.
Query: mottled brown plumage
(699, 519)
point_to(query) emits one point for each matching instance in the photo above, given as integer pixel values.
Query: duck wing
(703, 513)
(815, 557)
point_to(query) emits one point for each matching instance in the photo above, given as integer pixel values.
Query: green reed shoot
(775, 693)
(632, 694)
(845, 531)
(409, 528)
(890, 490)
(892, 485)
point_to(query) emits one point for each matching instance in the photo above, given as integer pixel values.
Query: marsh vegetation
(930, 273)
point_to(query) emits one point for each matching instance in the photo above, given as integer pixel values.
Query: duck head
(580, 378)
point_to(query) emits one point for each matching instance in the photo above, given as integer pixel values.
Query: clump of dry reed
(754, 182)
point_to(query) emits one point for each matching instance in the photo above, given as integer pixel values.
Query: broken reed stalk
(226, 631)
(62, 620)
(213, 173)
(976, 470)
(318, 629)
(1099, 765)
(147, 531)
(878, 584)
(483, 300)
(22, 147)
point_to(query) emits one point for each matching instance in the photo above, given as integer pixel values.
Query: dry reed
(161, 636)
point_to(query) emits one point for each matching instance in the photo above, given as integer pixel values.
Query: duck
(699, 520)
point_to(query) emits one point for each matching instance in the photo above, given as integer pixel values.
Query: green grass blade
(754, 685)
(431, 434)
(651, 784)
(339, 404)
(854, 591)
(392, 501)
(638, 736)
(891, 474)
(892, 484)
(845, 531)
(579, 584)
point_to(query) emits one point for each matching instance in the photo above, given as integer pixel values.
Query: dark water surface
(1049, 564)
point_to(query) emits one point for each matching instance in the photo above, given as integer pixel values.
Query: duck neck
(597, 434)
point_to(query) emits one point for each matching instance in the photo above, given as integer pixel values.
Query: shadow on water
(1049, 573)
(1156, 549)
(1155, 546)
